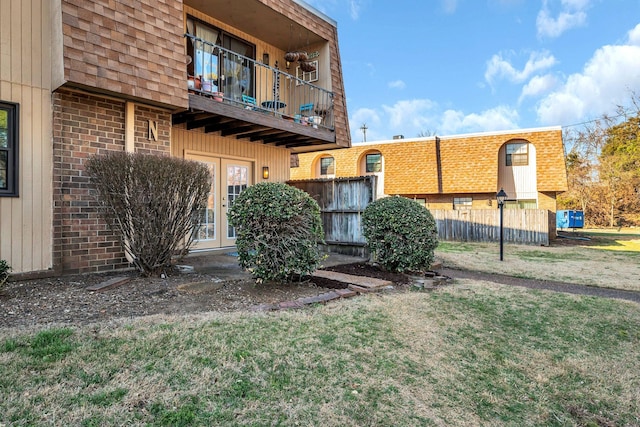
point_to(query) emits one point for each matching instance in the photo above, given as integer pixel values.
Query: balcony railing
(226, 76)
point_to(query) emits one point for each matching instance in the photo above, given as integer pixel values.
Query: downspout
(439, 165)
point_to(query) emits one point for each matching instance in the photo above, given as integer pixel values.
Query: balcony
(240, 97)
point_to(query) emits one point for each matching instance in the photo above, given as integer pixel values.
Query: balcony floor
(269, 127)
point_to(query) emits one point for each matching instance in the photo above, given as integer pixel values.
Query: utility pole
(364, 128)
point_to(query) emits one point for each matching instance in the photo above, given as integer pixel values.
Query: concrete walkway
(226, 266)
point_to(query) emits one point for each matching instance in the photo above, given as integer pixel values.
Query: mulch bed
(66, 299)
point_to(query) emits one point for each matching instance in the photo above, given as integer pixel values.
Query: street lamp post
(501, 196)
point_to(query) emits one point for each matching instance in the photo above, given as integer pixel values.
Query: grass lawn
(609, 259)
(469, 354)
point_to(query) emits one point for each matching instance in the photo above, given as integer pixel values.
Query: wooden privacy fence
(341, 201)
(526, 226)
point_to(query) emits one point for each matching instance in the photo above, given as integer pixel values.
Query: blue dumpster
(569, 219)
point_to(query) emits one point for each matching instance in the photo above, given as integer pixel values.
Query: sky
(446, 67)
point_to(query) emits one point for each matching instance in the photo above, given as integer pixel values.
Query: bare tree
(603, 168)
(426, 133)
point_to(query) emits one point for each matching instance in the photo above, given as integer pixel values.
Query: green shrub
(5, 268)
(152, 202)
(278, 229)
(401, 234)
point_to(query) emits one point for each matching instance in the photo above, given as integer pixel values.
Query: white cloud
(354, 9)
(494, 119)
(499, 67)
(397, 84)
(449, 6)
(408, 114)
(538, 85)
(606, 81)
(572, 14)
(634, 36)
(369, 117)
(411, 117)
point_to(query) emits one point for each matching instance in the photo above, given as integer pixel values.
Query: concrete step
(360, 281)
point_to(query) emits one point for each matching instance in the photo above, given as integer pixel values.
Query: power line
(624, 113)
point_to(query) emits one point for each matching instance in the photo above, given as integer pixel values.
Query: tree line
(603, 168)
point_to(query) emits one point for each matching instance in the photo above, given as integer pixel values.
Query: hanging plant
(307, 67)
(296, 56)
(291, 56)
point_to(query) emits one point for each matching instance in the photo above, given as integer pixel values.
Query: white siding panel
(519, 182)
(25, 70)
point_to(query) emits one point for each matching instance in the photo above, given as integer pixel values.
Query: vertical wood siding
(277, 159)
(25, 78)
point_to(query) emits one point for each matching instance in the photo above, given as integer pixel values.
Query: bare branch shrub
(151, 202)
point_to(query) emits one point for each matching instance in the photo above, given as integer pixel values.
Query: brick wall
(85, 125)
(143, 142)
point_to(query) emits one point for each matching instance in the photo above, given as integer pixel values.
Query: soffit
(259, 20)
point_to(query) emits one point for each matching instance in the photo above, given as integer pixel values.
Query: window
(307, 76)
(521, 204)
(229, 70)
(462, 203)
(517, 154)
(374, 162)
(327, 166)
(8, 149)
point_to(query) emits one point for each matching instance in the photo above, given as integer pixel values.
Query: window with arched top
(372, 163)
(517, 172)
(325, 167)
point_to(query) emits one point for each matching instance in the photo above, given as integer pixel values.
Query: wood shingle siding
(135, 49)
(460, 164)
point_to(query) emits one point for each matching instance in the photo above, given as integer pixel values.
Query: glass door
(237, 68)
(207, 235)
(237, 177)
(229, 178)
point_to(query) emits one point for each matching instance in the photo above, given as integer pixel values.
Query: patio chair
(250, 102)
(306, 110)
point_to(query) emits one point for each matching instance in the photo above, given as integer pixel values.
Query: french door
(229, 178)
(236, 177)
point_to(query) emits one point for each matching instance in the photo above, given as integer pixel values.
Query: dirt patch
(65, 300)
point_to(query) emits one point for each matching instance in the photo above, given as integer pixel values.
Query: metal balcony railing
(226, 76)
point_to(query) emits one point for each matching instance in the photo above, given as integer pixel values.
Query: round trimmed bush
(278, 229)
(401, 234)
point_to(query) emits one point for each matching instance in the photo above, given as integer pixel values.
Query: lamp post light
(501, 196)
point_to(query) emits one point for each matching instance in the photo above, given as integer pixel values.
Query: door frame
(225, 240)
(220, 188)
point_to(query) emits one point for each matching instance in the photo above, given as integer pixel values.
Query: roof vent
(398, 136)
